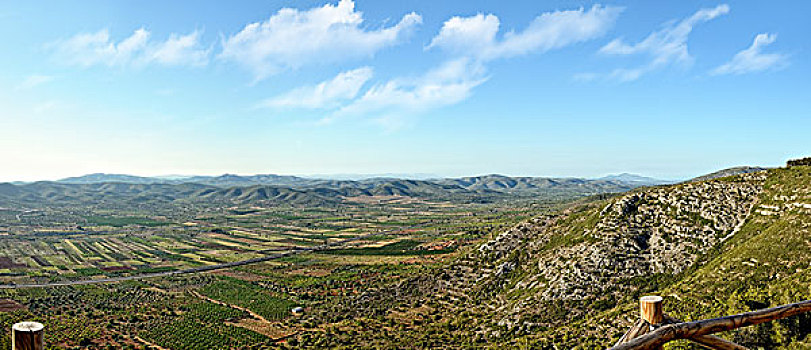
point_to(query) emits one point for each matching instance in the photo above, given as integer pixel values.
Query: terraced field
(58, 246)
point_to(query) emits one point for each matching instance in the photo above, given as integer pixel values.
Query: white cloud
(752, 59)
(327, 94)
(179, 50)
(476, 36)
(33, 81)
(468, 35)
(472, 42)
(88, 49)
(665, 46)
(450, 83)
(292, 38)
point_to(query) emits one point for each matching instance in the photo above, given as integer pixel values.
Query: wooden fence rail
(655, 328)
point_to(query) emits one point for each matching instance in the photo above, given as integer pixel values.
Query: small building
(297, 310)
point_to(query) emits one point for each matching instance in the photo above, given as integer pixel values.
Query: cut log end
(28, 327)
(27, 336)
(650, 309)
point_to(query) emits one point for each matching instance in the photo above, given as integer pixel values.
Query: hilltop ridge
(729, 172)
(276, 189)
(231, 180)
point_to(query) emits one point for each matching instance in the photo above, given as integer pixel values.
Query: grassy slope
(768, 263)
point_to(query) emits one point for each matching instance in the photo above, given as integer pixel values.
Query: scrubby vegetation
(390, 239)
(411, 273)
(498, 297)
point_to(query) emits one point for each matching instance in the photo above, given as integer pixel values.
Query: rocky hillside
(572, 280)
(599, 257)
(597, 252)
(729, 172)
(661, 230)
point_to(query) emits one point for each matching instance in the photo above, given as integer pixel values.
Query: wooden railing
(655, 328)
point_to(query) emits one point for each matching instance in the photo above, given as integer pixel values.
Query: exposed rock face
(585, 253)
(660, 230)
(510, 240)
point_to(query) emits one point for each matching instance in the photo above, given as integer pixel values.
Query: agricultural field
(324, 255)
(56, 246)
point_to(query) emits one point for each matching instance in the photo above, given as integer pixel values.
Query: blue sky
(542, 88)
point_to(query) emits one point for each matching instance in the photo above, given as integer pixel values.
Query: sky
(669, 89)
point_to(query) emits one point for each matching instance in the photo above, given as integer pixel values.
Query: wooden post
(689, 330)
(27, 336)
(650, 308)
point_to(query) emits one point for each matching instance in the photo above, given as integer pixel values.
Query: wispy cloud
(472, 42)
(327, 94)
(179, 50)
(664, 47)
(33, 81)
(448, 84)
(476, 36)
(89, 49)
(752, 59)
(292, 38)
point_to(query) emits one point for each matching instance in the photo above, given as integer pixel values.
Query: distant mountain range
(358, 177)
(635, 179)
(492, 181)
(293, 190)
(225, 180)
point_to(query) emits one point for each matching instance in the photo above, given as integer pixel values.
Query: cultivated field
(372, 242)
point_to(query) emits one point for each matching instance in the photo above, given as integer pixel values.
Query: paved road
(208, 267)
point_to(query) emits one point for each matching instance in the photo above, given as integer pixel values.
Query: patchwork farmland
(373, 241)
(56, 246)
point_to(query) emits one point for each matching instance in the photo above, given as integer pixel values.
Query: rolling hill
(225, 180)
(275, 189)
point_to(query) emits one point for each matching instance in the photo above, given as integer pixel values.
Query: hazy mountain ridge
(635, 179)
(230, 180)
(226, 180)
(276, 189)
(501, 182)
(283, 189)
(102, 177)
